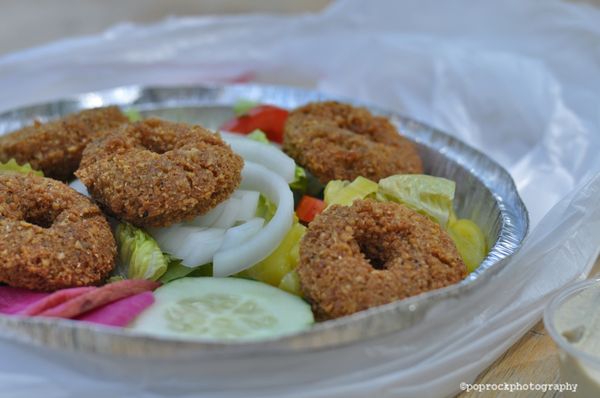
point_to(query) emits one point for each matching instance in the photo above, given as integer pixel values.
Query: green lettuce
(13, 167)
(140, 253)
(428, 195)
(300, 182)
(259, 135)
(344, 193)
(243, 106)
(133, 115)
(177, 270)
(265, 209)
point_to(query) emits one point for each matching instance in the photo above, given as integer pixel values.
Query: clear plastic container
(573, 321)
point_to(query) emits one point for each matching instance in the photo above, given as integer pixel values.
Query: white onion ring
(264, 154)
(258, 178)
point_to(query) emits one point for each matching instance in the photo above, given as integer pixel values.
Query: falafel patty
(55, 147)
(336, 141)
(155, 173)
(51, 237)
(372, 253)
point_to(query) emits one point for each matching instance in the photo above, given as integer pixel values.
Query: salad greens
(344, 192)
(259, 136)
(265, 209)
(13, 166)
(177, 270)
(300, 182)
(133, 115)
(140, 253)
(242, 106)
(428, 195)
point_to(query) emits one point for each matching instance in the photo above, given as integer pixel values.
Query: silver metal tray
(485, 193)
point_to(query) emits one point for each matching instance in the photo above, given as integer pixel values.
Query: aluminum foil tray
(485, 193)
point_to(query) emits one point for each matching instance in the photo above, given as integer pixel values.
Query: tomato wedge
(268, 118)
(309, 207)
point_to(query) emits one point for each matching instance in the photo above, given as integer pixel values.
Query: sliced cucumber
(223, 309)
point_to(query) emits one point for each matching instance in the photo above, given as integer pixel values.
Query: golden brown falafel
(372, 253)
(336, 141)
(56, 147)
(51, 237)
(155, 173)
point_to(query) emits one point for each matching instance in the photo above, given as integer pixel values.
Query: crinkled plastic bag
(517, 79)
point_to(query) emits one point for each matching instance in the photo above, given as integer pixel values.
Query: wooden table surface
(533, 359)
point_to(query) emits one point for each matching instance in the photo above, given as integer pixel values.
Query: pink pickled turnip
(54, 299)
(121, 312)
(99, 297)
(14, 300)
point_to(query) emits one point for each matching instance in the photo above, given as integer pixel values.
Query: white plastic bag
(517, 79)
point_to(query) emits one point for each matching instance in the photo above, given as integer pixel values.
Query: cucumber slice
(223, 309)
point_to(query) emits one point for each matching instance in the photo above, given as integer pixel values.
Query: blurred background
(41, 21)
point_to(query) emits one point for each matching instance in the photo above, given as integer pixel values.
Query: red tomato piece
(309, 207)
(268, 118)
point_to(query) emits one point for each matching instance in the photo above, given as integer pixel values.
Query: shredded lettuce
(13, 167)
(133, 115)
(344, 192)
(265, 209)
(428, 195)
(139, 253)
(115, 278)
(300, 182)
(243, 106)
(177, 270)
(259, 135)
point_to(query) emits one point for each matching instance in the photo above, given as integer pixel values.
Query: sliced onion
(248, 204)
(208, 219)
(192, 245)
(259, 178)
(170, 239)
(229, 215)
(201, 246)
(79, 187)
(264, 154)
(237, 235)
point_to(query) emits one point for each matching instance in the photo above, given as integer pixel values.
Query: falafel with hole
(155, 173)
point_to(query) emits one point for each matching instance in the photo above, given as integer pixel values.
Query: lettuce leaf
(428, 195)
(344, 192)
(265, 209)
(300, 182)
(259, 136)
(177, 270)
(13, 167)
(139, 253)
(133, 115)
(242, 106)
